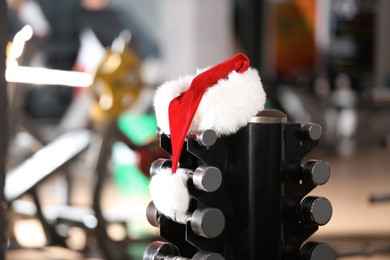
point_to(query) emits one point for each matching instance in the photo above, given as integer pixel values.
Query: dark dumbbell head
(316, 210)
(207, 178)
(311, 131)
(317, 172)
(208, 222)
(206, 138)
(317, 251)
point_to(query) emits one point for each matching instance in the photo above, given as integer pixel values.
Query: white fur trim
(230, 104)
(169, 192)
(163, 96)
(225, 107)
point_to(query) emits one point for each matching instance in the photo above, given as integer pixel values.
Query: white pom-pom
(169, 192)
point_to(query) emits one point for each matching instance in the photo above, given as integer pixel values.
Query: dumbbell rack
(262, 195)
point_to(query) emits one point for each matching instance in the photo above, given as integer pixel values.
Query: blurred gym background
(93, 65)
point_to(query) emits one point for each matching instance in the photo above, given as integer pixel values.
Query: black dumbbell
(316, 171)
(205, 178)
(317, 251)
(204, 138)
(205, 222)
(315, 210)
(311, 131)
(166, 251)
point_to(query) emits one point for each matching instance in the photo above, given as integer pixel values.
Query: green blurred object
(138, 128)
(130, 181)
(268, 104)
(128, 177)
(133, 185)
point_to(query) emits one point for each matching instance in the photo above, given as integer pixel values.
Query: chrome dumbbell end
(205, 222)
(159, 164)
(205, 178)
(205, 138)
(208, 222)
(160, 250)
(152, 215)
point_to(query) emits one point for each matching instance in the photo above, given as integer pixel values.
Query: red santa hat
(223, 98)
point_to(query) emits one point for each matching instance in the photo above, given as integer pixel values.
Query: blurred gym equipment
(26, 178)
(117, 87)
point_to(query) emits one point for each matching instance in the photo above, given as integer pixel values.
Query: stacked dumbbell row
(206, 222)
(205, 178)
(300, 179)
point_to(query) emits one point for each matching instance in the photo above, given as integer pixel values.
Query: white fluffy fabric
(169, 192)
(163, 96)
(225, 107)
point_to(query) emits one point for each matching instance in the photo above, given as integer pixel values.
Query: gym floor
(356, 223)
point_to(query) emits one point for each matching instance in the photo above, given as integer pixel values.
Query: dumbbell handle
(205, 138)
(205, 178)
(206, 222)
(153, 215)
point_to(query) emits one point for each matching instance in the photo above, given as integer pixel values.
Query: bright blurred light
(29, 233)
(19, 41)
(42, 76)
(90, 221)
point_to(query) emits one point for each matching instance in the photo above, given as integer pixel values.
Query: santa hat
(222, 98)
